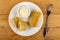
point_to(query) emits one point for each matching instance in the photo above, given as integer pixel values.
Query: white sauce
(24, 12)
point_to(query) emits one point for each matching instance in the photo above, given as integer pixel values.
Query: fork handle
(46, 27)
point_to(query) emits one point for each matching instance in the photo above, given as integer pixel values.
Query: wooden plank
(7, 34)
(51, 23)
(4, 20)
(54, 21)
(53, 34)
(5, 6)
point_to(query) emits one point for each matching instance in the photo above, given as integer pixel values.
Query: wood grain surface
(54, 20)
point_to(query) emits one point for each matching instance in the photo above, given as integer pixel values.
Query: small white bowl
(29, 11)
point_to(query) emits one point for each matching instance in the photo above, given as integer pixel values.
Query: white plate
(30, 31)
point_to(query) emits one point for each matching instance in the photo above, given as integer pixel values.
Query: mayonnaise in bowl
(23, 12)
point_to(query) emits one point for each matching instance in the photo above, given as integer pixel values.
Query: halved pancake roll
(22, 26)
(15, 21)
(34, 18)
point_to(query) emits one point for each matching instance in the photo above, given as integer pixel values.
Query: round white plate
(30, 31)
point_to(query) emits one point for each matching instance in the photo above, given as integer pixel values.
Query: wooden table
(54, 20)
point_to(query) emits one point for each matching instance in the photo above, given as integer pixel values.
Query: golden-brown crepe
(34, 18)
(15, 21)
(22, 26)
